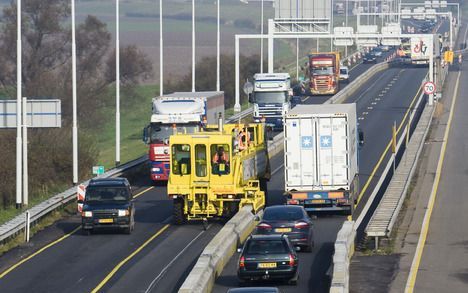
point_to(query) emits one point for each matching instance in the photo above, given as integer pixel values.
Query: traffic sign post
(98, 170)
(429, 88)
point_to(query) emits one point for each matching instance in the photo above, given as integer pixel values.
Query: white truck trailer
(321, 157)
(184, 110)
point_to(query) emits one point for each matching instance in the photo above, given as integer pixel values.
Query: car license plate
(318, 201)
(282, 230)
(106, 220)
(267, 265)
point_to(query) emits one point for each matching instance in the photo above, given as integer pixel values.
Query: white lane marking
(164, 270)
(377, 99)
(365, 113)
(361, 118)
(370, 108)
(381, 95)
(374, 103)
(277, 169)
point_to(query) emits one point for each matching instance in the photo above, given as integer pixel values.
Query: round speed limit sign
(429, 88)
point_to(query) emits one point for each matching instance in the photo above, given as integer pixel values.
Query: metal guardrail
(17, 224)
(384, 217)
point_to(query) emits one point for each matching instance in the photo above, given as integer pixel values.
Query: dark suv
(108, 203)
(265, 257)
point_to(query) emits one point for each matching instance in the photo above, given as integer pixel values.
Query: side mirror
(361, 137)
(251, 99)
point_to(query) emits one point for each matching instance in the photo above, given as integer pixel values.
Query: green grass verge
(10, 212)
(134, 116)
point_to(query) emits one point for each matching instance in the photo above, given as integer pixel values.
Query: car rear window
(266, 247)
(285, 214)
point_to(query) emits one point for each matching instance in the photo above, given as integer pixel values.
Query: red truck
(185, 111)
(324, 73)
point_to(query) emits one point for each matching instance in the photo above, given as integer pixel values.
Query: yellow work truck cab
(217, 171)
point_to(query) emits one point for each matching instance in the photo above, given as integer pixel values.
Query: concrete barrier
(350, 89)
(217, 253)
(344, 249)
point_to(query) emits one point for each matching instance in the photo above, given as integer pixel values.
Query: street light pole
(218, 86)
(117, 84)
(261, 40)
(161, 60)
(74, 123)
(18, 109)
(193, 45)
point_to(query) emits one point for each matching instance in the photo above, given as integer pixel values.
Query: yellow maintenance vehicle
(216, 171)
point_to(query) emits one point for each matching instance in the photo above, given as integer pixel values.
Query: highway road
(382, 102)
(377, 109)
(440, 263)
(156, 257)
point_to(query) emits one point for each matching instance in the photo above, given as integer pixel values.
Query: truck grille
(321, 84)
(270, 111)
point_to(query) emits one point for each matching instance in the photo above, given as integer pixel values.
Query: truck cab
(108, 203)
(271, 97)
(324, 73)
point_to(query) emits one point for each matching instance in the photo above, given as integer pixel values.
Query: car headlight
(155, 169)
(87, 214)
(123, 213)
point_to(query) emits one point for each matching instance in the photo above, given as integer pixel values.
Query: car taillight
(242, 262)
(291, 260)
(263, 226)
(301, 225)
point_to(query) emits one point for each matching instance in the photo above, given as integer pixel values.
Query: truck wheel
(178, 212)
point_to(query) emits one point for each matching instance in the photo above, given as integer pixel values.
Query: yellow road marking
(6, 272)
(118, 266)
(144, 191)
(376, 167)
(427, 217)
(39, 251)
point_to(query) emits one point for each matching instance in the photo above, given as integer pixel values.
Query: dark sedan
(369, 58)
(268, 257)
(291, 220)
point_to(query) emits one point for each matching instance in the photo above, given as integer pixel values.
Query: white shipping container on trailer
(321, 156)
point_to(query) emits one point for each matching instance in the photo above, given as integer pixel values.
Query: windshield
(159, 133)
(322, 70)
(107, 194)
(344, 71)
(283, 214)
(266, 247)
(271, 97)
